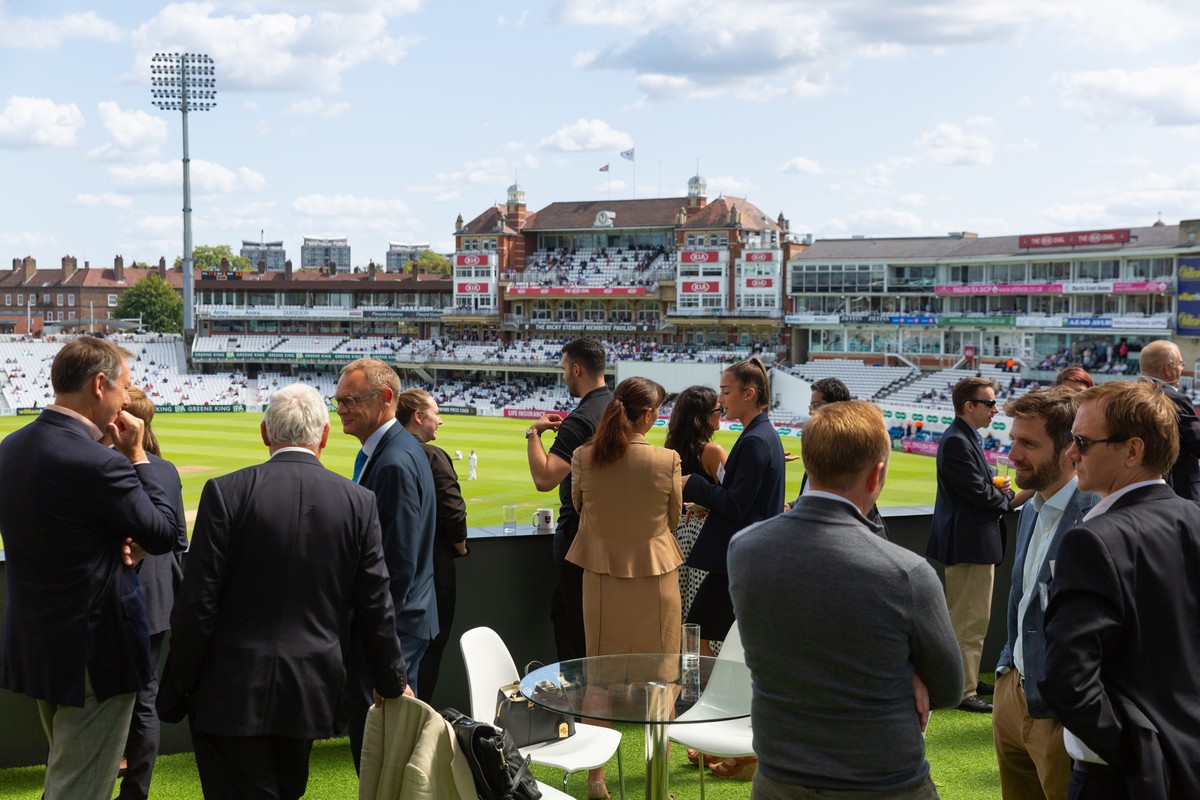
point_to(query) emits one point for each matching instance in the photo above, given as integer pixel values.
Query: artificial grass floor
(958, 744)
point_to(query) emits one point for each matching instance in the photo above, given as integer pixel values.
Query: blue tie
(359, 461)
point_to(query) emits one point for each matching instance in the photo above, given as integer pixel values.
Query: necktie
(359, 461)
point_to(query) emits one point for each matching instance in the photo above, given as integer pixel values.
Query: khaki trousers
(1033, 760)
(969, 598)
(85, 745)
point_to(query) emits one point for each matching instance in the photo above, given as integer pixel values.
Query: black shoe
(985, 688)
(975, 703)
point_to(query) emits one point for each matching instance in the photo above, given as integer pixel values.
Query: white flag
(627, 154)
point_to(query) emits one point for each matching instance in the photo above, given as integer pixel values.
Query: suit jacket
(628, 511)
(1034, 642)
(1184, 476)
(280, 553)
(968, 524)
(67, 506)
(753, 490)
(159, 576)
(451, 511)
(399, 475)
(1121, 628)
(410, 752)
(873, 515)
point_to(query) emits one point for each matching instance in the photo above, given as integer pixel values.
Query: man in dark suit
(967, 534)
(1034, 764)
(280, 552)
(1121, 645)
(392, 465)
(75, 636)
(1162, 363)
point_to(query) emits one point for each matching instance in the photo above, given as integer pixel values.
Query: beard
(1043, 475)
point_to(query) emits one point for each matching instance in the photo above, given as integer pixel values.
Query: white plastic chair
(731, 738)
(490, 666)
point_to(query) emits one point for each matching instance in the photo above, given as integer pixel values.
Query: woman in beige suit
(629, 498)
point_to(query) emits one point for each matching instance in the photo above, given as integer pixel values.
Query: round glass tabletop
(646, 688)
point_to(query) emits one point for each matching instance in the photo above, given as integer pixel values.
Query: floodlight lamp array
(183, 82)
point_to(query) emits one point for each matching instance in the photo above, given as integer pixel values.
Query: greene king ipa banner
(1187, 318)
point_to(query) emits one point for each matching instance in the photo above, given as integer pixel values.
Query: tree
(208, 257)
(152, 299)
(432, 263)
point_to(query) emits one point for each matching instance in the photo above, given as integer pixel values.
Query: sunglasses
(988, 403)
(1083, 444)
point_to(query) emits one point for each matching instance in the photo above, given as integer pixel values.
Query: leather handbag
(499, 769)
(529, 723)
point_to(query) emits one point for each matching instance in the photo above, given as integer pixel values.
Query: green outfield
(205, 445)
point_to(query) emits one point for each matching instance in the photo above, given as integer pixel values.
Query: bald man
(1162, 363)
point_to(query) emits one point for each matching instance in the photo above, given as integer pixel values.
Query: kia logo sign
(472, 288)
(758, 256)
(758, 283)
(701, 256)
(699, 287)
(470, 261)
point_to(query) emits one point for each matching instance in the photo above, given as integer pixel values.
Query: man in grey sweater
(847, 636)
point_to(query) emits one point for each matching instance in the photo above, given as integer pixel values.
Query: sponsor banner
(572, 290)
(920, 446)
(1161, 323)
(759, 256)
(404, 313)
(280, 312)
(471, 287)
(630, 327)
(471, 260)
(701, 287)
(760, 283)
(1187, 320)
(1102, 287)
(1087, 322)
(462, 411)
(991, 322)
(1002, 288)
(199, 409)
(1120, 236)
(812, 319)
(28, 412)
(1144, 286)
(907, 319)
(699, 256)
(216, 275)
(531, 413)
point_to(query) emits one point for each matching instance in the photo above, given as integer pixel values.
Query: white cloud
(49, 32)
(519, 22)
(1073, 214)
(727, 184)
(485, 171)
(344, 205)
(1167, 96)
(207, 177)
(589, 135)
(107, 200)
(278, 51)
(261, 129)
(912, 199)
(802, 165)
(316, 107)
(877, 222)
(38, 122)
(135, 134)
(949, 144)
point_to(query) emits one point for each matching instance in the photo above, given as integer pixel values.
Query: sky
(383, 120)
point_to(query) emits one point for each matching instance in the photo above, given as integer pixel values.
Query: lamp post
(184, 82)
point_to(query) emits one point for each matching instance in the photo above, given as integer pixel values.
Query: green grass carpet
(203, 446)
(959, 751)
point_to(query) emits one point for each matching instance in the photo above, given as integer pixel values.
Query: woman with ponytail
(628, 495)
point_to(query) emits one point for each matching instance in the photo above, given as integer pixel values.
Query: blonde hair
(841, 440)
(142, 408)
(409, 402)
(1140, 409)
(378, 374)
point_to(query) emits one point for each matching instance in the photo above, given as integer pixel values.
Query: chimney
(69, 267)
(162, 267)
(28, 268)
(1188, 230)
(119, 269)
(224, 264)
(287, 270)
(372, 270)
(262, 266)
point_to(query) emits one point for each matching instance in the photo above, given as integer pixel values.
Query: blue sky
(382, 120)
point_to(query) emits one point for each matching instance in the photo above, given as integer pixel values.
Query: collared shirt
(1075, 746)
(95, 432)
(810, 492)
(372, 442)
(290, 449)
(1050, 512)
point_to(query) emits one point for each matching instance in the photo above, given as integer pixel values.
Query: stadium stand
(865, 382)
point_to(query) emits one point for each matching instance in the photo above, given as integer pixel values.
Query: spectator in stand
(694, 420)
(418, 412)
(1075, 378)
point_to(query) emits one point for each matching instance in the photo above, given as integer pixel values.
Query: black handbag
(499, 769)
(528, 723)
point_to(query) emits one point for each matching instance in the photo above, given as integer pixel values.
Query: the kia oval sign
(698, 256)
(701, 287)
(470, 260)
(472, 288)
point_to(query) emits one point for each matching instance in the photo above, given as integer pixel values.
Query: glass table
(650, 689)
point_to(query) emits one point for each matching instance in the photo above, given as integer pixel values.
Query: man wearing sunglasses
(1121, 644)
(967, 534)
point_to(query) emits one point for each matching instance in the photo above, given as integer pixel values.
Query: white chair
(490, 666)
(726, 689)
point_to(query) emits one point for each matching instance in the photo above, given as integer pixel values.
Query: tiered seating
(598, 267)
(864, 382)
(270, 382)
(934, 389)
(210, 346)
(309, 344)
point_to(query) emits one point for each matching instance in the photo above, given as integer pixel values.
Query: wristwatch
(531, 431)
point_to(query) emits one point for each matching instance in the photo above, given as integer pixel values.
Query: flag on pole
(604, 168)
(628, 153)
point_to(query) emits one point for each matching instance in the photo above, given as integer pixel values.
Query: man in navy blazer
(1034, 764)
(392, 465)
(75, 635)
(967, 534)
(281, 553)
(1162, 363)
(1121, 643)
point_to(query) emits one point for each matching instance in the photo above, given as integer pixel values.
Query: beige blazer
(628, 511)
(410, 753)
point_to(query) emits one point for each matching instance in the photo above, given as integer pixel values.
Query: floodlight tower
(184, 82)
